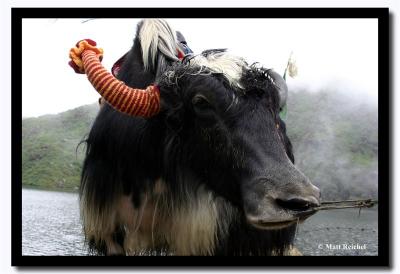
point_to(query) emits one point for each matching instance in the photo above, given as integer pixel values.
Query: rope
(368, 203)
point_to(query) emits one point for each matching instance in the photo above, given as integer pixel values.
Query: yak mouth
(273, 225)
(297, 217)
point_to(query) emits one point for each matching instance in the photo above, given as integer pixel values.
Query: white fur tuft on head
(222, 62)
(156, 35)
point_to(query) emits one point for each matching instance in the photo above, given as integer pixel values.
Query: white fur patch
(222, 62)
(195, 226)
(156, 35)
(190, 229)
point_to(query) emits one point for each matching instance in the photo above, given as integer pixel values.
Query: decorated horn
(280, 83)
(86, 58)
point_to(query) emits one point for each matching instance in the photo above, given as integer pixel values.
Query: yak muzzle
(276, 208)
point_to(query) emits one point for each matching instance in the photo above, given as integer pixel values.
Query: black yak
(211, 173)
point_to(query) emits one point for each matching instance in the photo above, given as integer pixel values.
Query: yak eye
(203, 109)
(200, 102)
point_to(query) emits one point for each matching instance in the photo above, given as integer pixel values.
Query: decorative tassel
(291, 67)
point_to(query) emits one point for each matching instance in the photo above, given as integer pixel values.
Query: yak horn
(86, 58)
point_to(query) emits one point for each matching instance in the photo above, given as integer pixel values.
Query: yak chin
(274, 224)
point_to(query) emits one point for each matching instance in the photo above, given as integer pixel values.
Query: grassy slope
(50, 158)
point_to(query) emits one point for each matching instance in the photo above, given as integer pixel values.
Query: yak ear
(282, 88)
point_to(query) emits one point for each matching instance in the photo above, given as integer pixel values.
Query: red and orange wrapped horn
(86, 58)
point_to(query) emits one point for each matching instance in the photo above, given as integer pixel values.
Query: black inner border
(381, 14)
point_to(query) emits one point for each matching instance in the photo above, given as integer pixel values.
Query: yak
(210, 173)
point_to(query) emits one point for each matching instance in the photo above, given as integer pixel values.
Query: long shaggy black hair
(166, 185)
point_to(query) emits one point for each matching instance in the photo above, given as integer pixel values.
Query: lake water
(51, 226)
(340, 232)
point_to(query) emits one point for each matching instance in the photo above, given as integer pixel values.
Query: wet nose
(303, 202)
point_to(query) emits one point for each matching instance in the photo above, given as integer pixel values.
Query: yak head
(224, 132)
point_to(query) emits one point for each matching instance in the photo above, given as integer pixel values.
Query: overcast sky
(341, 53)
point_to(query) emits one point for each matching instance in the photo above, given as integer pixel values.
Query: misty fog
(335, 138)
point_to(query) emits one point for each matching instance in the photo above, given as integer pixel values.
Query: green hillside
(335, 140)
(50, 155)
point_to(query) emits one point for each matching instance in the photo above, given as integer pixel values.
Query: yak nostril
(296, 204)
